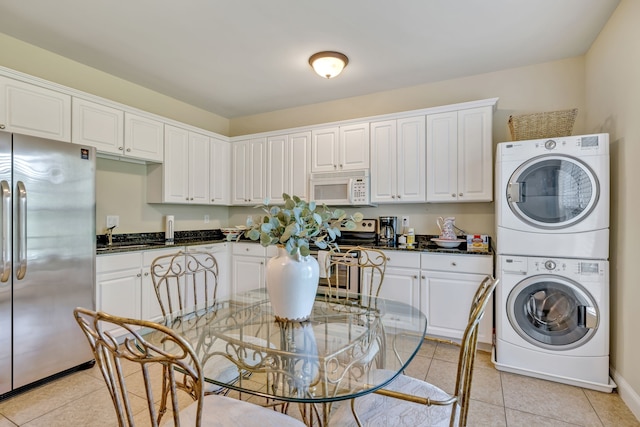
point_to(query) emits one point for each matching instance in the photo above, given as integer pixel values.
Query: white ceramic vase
(292, 283)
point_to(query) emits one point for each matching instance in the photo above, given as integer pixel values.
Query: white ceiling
(236, 58)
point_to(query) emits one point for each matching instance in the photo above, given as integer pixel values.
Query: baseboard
(627, 393)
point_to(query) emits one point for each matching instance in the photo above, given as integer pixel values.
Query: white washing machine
(552, 197)
(553, 319)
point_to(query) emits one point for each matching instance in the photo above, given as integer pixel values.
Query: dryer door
(552, 312)
(552, 192)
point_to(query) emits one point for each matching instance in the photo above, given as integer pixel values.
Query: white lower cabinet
(124, 286)
(249, 262)
(118, 284)
(449, 283)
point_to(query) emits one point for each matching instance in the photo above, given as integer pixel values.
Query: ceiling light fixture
(328, 64)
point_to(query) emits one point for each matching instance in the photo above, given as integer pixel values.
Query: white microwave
(346, 188)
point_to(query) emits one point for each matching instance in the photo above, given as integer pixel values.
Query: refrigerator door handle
(22, 231)
(5, 236)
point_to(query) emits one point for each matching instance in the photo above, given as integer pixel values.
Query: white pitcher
(447, 228)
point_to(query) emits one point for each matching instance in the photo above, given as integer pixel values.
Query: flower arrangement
(298, 223)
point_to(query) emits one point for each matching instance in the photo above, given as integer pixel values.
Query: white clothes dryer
(552, 197)
(552, 320)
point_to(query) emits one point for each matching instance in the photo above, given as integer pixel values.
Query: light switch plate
(113, 221)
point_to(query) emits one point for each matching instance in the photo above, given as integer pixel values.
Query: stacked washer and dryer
(552, 218)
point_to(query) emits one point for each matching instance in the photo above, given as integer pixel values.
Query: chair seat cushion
(221, 411)
(376, 410)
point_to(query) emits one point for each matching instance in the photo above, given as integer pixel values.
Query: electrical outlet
(113, 221)
(405, 222)
(206, 219)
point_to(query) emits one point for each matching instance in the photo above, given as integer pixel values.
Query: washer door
(552, 312)
(552, 192)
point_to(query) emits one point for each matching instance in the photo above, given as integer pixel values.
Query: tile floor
(498, 398)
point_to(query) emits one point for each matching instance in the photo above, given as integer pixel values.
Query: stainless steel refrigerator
(47, 257)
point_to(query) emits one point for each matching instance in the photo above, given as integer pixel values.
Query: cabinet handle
(261, 262)
(454, 264)
(128, 150)
(398, 196)
(388, 259)
(213, 200)
(453, 194)
(138, 275)
(146, 274)
(340, 166)
(1, 126)
(422, 277)
(186, 198)
(415, 277)
(335, 166)
(121, 148)
(393, 197)
(460, 194)
(191, 198)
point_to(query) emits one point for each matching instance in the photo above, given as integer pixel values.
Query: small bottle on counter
(411, 237)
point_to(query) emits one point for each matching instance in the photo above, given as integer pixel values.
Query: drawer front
(248, 249)
(209, 247)
(480, 264)
(150, 255)
(113, 262)
(400, 259)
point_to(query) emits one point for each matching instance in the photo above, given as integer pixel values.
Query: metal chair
(412, 402)
(185, 280)
(178, 368)
(370, 266)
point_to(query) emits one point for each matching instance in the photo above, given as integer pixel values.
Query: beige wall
(613, 104)
(32, 60)
(121, 190)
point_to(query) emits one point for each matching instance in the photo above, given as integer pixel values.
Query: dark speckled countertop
(144, 241)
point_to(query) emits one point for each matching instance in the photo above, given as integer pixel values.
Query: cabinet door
(98, 126)
(219, 172)
(175, 185)
(475, 145)
(33, 110)
(118, 293)
(248, 273)
(411, 160)
(239, 181)
(384, 187)
(447, 301)
(442, 157)
(198, 168)
(299, 164)
(143, 138)
(278, 165)
(324, 149)
(354, 147)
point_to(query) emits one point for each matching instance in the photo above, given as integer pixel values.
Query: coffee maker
(387, 228)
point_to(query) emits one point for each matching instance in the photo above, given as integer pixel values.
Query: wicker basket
(542, 125)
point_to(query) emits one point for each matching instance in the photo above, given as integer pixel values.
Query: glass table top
(329, 357)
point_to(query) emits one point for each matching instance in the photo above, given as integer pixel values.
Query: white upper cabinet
(288, 166)
(184, 175)
(97, 125)
(33, 110)
(459, 156)
(248, 176)
(143, 138)
(340, 148)
(219, 172)
(398, 160)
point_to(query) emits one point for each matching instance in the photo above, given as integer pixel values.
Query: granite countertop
(147, 241)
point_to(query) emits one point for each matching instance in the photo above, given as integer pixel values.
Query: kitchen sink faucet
(110, 235)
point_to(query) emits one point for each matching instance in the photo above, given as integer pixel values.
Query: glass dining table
(329, 357)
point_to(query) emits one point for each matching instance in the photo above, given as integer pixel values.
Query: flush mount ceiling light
(328, 64)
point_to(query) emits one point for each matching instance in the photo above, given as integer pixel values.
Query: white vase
(292, 283)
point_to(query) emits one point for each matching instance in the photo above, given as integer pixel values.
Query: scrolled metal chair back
(181, 370)
(185, 280)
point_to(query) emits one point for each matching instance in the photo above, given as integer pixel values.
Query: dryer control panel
(578, 269)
